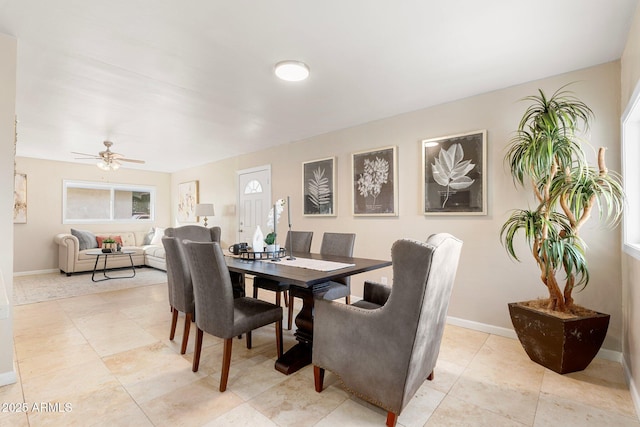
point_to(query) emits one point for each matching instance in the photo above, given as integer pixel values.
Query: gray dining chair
(178, 276)
(297, 241)
(401, 325)
(179, 282)
(180, 288)
(338, 244)
(218, 312)
(198, 233)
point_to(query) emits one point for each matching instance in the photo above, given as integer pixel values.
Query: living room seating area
(74, 249)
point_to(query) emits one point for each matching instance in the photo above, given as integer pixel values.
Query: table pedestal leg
(299, 355)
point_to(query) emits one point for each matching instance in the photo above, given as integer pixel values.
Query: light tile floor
(105, 359)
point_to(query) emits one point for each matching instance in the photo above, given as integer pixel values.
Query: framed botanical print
(454, 174)
(375, 182)
(187, 201)
(319, 187)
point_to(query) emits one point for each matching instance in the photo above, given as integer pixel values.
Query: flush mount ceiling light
(292, 71)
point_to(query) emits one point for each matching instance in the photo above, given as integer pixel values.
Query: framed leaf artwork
(318, 187)
(375, 182)
(453, 174)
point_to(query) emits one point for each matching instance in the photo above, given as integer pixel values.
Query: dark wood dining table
(306, 284)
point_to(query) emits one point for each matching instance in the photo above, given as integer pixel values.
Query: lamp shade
(204, 209)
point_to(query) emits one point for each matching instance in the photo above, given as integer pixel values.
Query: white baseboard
(482, 327)
(7, 378)
(30, 273)
(615, 356)
(635, 397)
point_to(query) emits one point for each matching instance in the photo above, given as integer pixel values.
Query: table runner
(313, 264)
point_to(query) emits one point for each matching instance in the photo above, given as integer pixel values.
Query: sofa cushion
(86, 239)
(154, 251)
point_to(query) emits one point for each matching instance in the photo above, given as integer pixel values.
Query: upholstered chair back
(178, 276)
(195, 233)
(212, 288)
(339, 244)
(301, 241)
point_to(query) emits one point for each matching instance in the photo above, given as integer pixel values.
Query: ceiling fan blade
(131, 160)
(93, 156)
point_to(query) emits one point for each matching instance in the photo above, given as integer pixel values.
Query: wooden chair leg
(391, 419)
(197, 350)
(290, 312)
(286, 298)
(226, 361)
(185, 334)
(278, 303)
(249, 340)
(279, 338)
(318, 378)
(174, 321)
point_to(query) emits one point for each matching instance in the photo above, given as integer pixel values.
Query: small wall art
(20, 198)
(319, 187)
(187, 201)
(453, 174)
(375, 182)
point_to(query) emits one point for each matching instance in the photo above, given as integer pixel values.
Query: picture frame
(187, 201)
(454, 179)
(319, 187)
(20, 198)
(375, 182)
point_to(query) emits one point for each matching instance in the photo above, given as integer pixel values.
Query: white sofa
(73, 260)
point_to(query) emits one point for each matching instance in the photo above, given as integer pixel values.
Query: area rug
(52, 286)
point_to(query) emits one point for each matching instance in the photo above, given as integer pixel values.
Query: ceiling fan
(108, 159)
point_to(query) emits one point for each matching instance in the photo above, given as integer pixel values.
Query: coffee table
(106, 255)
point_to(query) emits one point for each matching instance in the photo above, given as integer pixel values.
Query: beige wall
(487, 279)
(630, 78)
(7, 118)
(34, 249)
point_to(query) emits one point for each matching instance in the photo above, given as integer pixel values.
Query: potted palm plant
(547, 154)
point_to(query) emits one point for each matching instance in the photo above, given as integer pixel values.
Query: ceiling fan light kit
(108, 160)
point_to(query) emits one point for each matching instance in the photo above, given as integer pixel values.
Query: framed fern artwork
(375, 182)
(454, 174)
(319, 187)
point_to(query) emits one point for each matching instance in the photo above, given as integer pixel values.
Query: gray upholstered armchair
(395, 344)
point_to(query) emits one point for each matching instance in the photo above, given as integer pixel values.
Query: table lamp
(205, 210)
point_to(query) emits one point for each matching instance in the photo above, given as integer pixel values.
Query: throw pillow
(86, 239)
(99, 239)
(157, 237)
(148, 237)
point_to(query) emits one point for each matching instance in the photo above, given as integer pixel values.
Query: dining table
(308, 275)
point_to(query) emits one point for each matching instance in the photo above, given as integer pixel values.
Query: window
(91, 202)
(631, 174)
(253, 187)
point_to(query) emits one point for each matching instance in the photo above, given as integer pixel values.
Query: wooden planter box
(562, 345)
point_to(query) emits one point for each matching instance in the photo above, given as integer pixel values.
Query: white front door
(254, 201)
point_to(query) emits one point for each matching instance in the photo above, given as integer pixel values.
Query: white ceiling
(183, 83)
